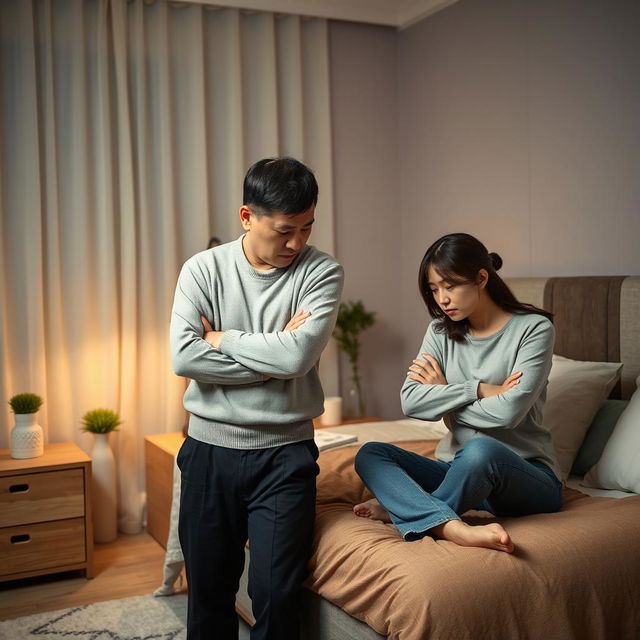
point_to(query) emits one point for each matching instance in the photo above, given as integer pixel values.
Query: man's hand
(212, 337)
(426, 371)
(297, 320)
(487, 390)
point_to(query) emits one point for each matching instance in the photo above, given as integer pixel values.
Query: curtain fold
(126, 131)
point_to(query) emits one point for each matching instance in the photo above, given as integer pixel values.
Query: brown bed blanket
(574, 574)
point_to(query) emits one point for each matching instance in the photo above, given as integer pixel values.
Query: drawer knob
(20, 538)
(18, 488)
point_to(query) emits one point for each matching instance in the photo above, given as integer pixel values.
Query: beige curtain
(126, 131)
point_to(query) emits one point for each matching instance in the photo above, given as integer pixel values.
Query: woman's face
(458, 301)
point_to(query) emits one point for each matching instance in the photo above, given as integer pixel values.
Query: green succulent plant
(25, 403)
(353, 318)
(100, 421)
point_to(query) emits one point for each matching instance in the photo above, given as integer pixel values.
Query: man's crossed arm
(292, 354)
(236, 357)
(214, 337)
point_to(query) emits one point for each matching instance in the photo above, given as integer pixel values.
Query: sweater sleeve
(291, 354)
(508, 409)
(432, 401)
(191, 355)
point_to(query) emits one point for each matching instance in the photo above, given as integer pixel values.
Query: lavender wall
(367, 215)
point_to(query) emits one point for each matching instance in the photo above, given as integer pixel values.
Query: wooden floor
(130, 566)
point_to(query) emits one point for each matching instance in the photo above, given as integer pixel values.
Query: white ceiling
(393, 13)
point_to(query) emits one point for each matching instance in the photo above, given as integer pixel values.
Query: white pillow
(619, 465)
(575, 392)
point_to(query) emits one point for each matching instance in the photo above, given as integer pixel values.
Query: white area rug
(139, 618)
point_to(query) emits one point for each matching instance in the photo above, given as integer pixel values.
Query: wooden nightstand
(160, 452)
(45, 513)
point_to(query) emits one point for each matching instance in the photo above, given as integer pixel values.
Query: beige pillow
(619, 465)
(575, 392)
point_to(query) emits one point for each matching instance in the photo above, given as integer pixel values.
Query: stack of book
(330, 439)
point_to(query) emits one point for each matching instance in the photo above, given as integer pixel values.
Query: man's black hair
(280, 185)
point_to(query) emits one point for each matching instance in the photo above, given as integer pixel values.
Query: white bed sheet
(573, 482)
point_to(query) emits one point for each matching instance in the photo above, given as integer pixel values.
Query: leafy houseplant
(100, 421)
(23, 403)
(353, 318)
(27, 437)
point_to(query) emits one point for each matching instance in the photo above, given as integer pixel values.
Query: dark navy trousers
(228, 496)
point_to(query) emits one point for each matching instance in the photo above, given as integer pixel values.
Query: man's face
(275, 240)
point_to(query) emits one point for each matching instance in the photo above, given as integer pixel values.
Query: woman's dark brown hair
(458, 257)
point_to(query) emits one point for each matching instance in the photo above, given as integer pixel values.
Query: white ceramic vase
(105, 497)
(27, 438)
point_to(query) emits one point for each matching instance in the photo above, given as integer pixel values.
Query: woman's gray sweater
(514, 418)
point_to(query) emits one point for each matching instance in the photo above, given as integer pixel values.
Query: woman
(483, 366)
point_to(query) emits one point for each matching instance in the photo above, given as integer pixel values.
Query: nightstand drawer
(41, 497)
(47, 545)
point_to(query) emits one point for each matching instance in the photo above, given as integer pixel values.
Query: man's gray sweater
(514, 418)
(230, 403)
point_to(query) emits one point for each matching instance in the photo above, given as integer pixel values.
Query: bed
(575, 574)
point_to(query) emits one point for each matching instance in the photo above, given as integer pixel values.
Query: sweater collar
(258, 274)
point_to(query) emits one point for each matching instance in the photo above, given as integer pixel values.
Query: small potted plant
(353, 318)
(27, 438)
(101, 422)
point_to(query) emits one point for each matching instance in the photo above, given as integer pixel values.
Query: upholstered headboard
(596, 318)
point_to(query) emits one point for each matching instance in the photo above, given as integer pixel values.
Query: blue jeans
(420, 493)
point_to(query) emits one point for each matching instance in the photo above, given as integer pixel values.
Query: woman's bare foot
(490, 536)
(371, 509)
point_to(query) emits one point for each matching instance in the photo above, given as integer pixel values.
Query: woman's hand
(428, 372)
(487, 390)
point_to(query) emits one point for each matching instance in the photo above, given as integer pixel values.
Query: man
(249, 322)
